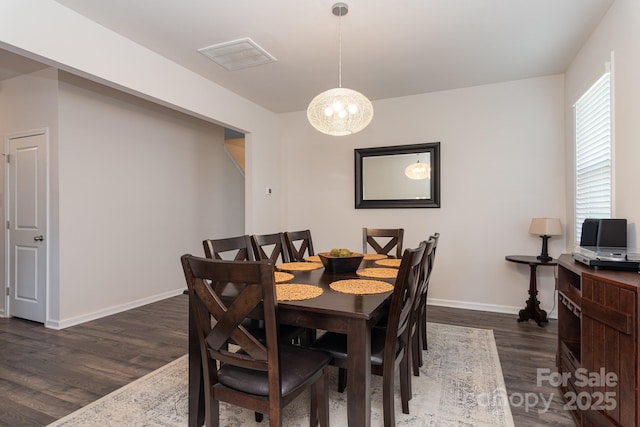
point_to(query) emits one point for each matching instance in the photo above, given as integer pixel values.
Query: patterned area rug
(460, 384)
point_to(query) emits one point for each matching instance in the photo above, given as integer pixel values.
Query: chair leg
(388, 407)
(422, 336)
(405, 381)
(313, 412)
(212, 413)
(416, 351)
(342, 379)
(275, 416)
(423, 324)
(322, 399)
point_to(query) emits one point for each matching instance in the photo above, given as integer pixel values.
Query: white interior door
(27, 225)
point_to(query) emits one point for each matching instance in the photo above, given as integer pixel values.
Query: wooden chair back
(436, 238)
(422, 340)
(418, 314)
(255, 296)
(299, 244)
(403, 297)
(270, 247)
(383, 240)
(428, 268)
(427, 263)
(240, 248)
(237, 248)
(397, 348)
(239, 367)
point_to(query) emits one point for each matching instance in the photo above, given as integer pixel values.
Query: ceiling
(389, 48)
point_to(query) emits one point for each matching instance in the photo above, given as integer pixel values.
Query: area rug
(460, 384)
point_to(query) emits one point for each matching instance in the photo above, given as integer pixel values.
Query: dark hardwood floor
(46, 374)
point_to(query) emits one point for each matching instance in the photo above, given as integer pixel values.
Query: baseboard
(62, 324)
(493, 308)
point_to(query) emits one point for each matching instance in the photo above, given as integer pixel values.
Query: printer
(603, 244)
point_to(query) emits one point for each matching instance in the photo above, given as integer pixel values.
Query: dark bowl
(334, 264)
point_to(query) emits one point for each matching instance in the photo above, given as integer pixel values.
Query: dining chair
(299, 244)
(418, 323)
(382, 240)
(238, 368)
(270, 247)
(237, 248)
(389, 346)
(423, 314)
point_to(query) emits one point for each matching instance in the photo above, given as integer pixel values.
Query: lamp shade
(545, 227)
(340, 111)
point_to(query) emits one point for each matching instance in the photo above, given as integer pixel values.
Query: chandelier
(340, 111)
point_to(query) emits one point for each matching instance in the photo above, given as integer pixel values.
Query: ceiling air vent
(237, 54)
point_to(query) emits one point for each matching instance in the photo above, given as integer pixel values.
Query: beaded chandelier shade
(340, 111)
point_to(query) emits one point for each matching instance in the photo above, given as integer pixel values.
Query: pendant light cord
(340, 48)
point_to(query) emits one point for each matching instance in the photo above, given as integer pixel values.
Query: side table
(532, 309)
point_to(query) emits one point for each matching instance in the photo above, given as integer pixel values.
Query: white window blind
(593, 153)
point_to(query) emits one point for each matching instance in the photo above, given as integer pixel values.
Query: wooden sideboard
(598, 347)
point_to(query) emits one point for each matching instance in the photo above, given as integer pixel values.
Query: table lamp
(545, 228)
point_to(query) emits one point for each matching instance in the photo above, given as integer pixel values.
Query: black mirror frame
(434, 202)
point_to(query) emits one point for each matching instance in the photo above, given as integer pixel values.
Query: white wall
(619, 32)
(133, 186)
(502, 163)
(26, 103)
(140, 185)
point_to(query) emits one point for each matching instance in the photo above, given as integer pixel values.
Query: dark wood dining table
(353, 315)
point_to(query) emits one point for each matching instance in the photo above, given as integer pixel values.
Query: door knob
(39, 238)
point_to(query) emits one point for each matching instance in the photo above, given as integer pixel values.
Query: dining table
(351, 314)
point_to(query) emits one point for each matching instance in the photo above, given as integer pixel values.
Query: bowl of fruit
(340, 260)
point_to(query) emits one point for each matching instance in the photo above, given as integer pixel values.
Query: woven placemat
(312, 258)
(391, 262)
(297, 292)
(299, 266)
(374, 256)
(281, 276)
(361, 286)
(378, 272)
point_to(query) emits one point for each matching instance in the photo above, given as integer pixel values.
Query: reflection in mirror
(418, 170)
(384, 178)
(398, 176)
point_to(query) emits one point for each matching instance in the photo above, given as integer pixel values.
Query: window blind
(593, 153)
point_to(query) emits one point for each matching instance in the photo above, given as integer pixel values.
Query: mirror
(402, 176)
